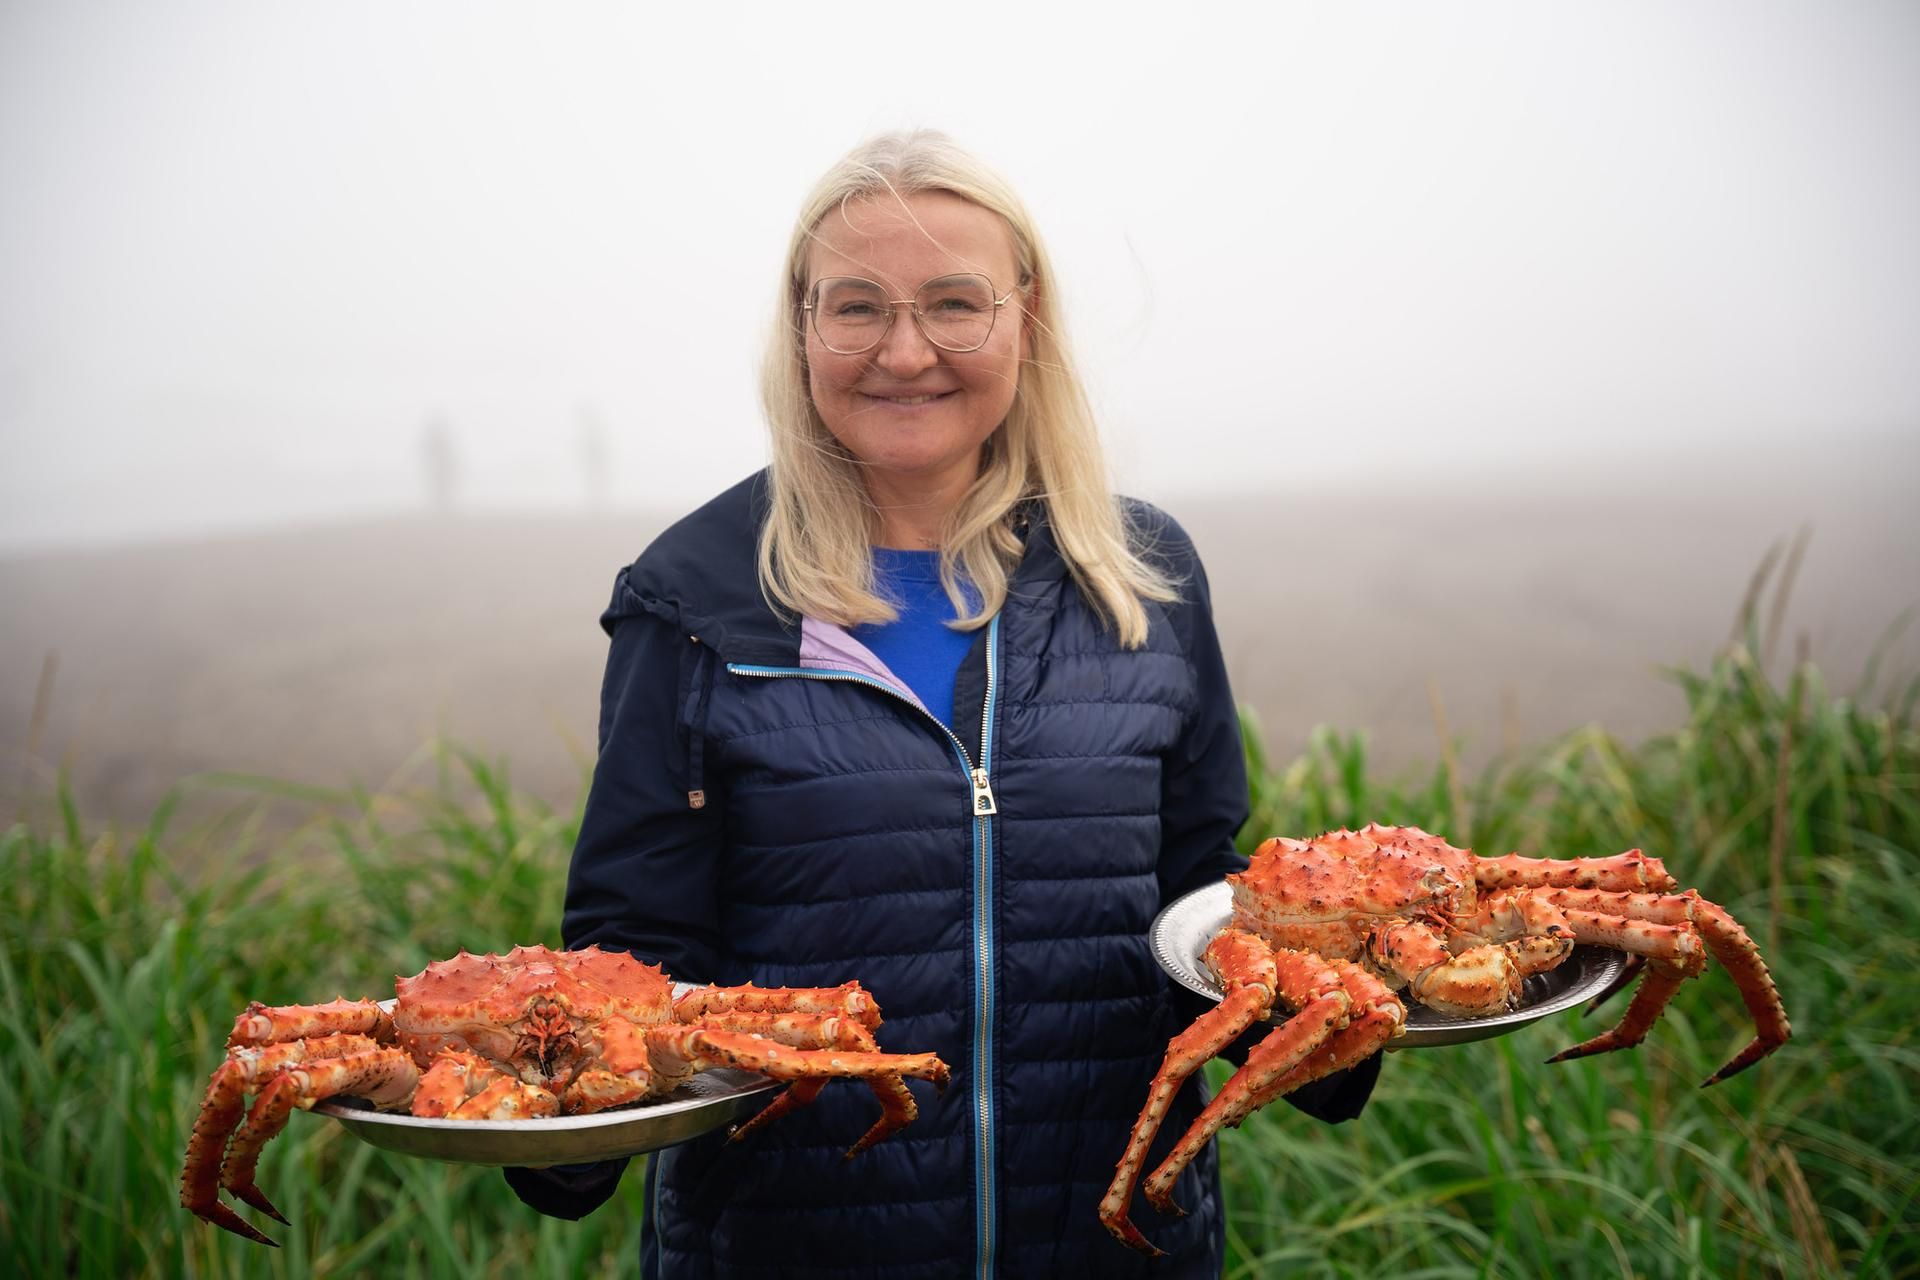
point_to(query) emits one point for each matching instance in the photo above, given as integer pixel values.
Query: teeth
(908, 399)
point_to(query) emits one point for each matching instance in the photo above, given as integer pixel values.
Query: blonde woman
(923, 705)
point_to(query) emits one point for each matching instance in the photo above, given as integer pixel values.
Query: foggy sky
(247, 251)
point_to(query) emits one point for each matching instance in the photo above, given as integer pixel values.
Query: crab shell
(533, 1009)
(1325, 895)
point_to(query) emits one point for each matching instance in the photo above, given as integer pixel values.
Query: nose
(905, 351)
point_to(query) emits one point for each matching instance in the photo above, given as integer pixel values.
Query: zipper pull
(982, 795)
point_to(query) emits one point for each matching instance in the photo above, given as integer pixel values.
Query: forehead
(902, 241)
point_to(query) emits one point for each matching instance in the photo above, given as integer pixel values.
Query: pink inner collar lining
(826, 646)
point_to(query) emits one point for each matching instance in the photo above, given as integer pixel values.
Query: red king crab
(531, 1033)
(1331, 928)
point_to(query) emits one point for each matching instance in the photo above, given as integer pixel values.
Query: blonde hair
(815, 549)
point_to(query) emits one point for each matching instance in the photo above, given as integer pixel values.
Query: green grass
(1797, 809)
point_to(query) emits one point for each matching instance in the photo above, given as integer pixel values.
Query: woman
(924, 706)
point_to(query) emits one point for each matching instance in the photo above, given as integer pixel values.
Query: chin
(915, 464)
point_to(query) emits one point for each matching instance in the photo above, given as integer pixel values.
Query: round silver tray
(1183, 929)
(706, 1102)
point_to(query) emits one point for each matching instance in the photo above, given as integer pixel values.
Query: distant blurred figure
(593, 457)
(439, 463)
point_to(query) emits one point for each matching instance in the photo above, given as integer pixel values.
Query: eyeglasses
(852, 315)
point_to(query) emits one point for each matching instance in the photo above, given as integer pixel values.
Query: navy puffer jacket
(755, 817)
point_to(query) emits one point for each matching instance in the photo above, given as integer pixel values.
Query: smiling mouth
(907, 401)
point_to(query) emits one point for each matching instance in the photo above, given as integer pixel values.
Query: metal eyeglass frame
(919, 318)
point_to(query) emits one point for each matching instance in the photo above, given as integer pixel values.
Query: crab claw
(224, 1152)
(253, 1195)
(221, 1216)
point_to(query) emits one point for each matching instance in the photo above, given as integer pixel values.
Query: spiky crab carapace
(530, 1033)
(1331, 928)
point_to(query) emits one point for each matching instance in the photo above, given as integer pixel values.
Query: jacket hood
(702, 575)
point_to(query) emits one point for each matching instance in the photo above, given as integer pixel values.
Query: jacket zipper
(981, 807)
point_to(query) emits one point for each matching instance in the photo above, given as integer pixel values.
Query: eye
(955, 296)
(847, 298)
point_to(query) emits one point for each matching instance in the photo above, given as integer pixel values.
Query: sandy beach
(330, 654)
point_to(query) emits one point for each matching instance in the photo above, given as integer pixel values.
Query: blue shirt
(918, 646)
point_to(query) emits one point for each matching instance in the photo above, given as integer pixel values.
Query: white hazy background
(247, 251)
(256, 259)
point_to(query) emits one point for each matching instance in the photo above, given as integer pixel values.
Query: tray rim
(1425, 1028)
(748, 1085)
(734, 1087)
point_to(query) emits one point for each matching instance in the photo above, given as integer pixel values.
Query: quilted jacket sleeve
(643, 874)
(1204, 803)
(1203, 799)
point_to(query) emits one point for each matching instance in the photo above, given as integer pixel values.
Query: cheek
(829, 379)
(830, 386)
(996, 378)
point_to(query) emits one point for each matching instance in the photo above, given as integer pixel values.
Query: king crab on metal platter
(1332, 928)
(531, 1033)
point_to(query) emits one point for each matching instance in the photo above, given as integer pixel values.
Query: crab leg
(1671, 928)
(677, 1051)
(1663, 978)
(849, 999)
(1632, 870)
(465, 1086)
(897, 1109)
(625, 1075)
(1479, 980)
(270, 1024)
(297, 1074)
(632, 1071)
(222, 1109)
(1339, 1025)
(702, 1049)
(1249, 970)
(801, 1030)
(795, 1096)
(736, 1008)
(814, 1031)
(451, 1080)
(1345, 1048)
(1532, 931)
(385, 1077)
(505, 1098)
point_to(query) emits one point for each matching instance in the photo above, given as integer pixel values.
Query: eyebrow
(945, 275)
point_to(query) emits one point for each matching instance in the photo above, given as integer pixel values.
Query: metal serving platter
(1183, 929)
(706, 1102)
